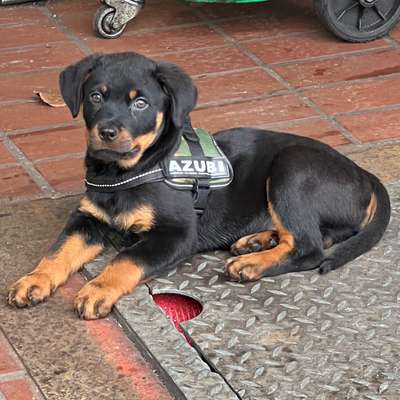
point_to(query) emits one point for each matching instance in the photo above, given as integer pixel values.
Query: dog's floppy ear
(72, 80)
(180, 88)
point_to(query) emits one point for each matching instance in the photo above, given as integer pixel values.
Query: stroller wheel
(103, 23)
(358, 20)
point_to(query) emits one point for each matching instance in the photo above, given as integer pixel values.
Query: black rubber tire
(349, 33)
(100, 26)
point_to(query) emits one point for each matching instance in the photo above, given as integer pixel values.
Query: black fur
(319, 195)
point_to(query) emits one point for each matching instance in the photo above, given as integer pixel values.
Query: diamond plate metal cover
(296, 336)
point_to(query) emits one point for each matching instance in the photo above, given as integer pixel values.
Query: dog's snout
(108, 133)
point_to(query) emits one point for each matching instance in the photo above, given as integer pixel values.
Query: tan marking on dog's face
(93, 137)
(122, 144)
(370, 211)
(96, 298)
(143, 142)
(88, 207)
(132, 94)
(141, 219)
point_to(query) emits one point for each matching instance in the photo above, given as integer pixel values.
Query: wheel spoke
(345, 10)
(379, 12)
(360, 16)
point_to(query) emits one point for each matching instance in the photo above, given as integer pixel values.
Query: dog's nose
(108, 133)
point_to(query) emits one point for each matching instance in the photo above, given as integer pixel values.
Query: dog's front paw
(243, 268)
(30, 290)
(95, 300)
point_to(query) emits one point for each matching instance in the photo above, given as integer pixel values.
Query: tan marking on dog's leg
(141, 219)
(90, 208)
(96, 298)
(52, 271)
(370, 211)
(250, 267)
(132, 94)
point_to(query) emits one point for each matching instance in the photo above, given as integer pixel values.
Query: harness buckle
(200, 192)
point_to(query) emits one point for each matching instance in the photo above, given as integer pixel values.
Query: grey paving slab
(300, 335)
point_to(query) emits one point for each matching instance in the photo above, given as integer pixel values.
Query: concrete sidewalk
(66, 357)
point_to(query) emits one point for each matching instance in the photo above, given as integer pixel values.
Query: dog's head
(129, 103)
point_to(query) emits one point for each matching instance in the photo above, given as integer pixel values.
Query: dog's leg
(251, 267)
(257, 242)
(79, 243)
(284, 257)
(156, 253)
(300, 242)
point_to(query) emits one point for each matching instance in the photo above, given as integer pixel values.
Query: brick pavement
(269, 65)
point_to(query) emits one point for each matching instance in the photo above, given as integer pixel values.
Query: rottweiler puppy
(295, 204)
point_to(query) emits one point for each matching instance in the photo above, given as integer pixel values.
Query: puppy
(294, 204)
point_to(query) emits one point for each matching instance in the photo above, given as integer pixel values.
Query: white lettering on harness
(187, 166)
(194, 167)
(200, 166)
(174, 166)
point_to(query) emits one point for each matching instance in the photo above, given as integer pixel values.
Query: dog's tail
(364, 240)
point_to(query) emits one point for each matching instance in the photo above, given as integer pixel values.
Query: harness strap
(200, 192)
(201, 187)
(99, 185)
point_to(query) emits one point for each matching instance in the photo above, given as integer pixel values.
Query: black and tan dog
(295, 204)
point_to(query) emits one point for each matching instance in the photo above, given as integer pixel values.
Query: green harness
(197, 159)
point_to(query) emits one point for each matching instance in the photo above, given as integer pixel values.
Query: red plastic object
(178, 308)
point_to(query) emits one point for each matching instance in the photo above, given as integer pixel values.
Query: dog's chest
(138, 219)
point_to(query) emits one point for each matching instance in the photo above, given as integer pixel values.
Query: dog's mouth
(109, 155)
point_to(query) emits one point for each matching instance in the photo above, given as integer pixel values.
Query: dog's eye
(140, 103)
(96, 97)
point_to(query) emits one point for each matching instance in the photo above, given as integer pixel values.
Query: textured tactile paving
(300, 335)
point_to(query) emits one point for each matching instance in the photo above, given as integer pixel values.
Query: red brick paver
(15, 383)
(269, 65)
(253, 113)
(56, 142)
(343, 68)
(5, 156)
(64, 175)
